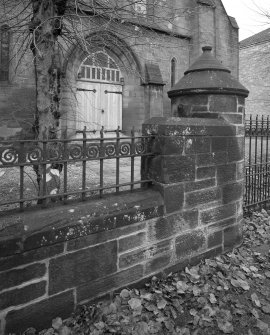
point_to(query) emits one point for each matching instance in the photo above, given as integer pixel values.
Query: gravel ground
(229, 294)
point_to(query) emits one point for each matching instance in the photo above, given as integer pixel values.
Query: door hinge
(115, 92)
(85, 90)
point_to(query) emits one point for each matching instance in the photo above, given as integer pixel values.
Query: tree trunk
(45, 26)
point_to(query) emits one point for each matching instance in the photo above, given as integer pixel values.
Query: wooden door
(111, 104)
(99, 104)
(88, 106)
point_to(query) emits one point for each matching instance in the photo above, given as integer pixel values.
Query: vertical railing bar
(21, 160)
(249, 161)
(261, 161)
(44, 183)
(132, 158)
(117, 158)
(266, 161)
(65, 166)
(102, 153)
(255, 159)
(84, 164)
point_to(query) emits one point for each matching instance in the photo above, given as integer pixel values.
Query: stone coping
(37, 228)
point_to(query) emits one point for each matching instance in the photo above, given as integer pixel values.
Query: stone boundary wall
(54, 259)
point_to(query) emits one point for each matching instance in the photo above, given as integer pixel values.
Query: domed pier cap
(207, 75)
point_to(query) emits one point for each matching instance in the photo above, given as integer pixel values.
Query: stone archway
(131, 75)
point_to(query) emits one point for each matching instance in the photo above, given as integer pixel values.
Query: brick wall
(255, 75)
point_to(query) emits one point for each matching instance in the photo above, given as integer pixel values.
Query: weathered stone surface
(141, 254)
(194, 260)
(40, 314)
(199, 185)
(201, 197)
(117, 219)
(200, 145)
(236, 149)
(206, 172)
(223, 103)
(22, 295)
(131, 241)
(157, 263)
(235, 118)
(240, 170)
(214, 158)
(232, 236)
(107, 284)
(30, 256)
(16, 277)
(92, 239)
(223, 224)
(172, 225)
(178, 168)
(77, 220)
(232, 192)
(188, 243)
(214, 239)
(226, 173)
(219, 143)
(137, 214)
(173, 197)
(81, 266)
(212, 215)
(10, 247)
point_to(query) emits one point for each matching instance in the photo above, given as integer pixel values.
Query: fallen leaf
(181, 287)
(134, 303)
(196, 291)
(225, 326)
(267, 274)
(147, 296)
(266, 309)
(125, 294)
(212, 298)
(161, 304)
(255, 299)
(240, 283)
(262, 325)
(64, 330)
(57, 323)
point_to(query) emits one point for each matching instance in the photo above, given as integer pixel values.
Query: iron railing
(86, 171)
(257, 164)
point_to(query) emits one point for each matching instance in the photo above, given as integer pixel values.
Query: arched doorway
(99, 93)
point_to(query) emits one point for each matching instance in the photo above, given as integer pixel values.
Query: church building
(131, 59)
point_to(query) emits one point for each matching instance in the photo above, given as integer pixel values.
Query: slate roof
(261, 37)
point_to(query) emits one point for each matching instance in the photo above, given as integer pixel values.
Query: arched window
(173, 71)
(99, 67)
(4, 52)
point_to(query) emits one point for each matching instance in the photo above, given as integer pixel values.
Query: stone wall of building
(255, 75)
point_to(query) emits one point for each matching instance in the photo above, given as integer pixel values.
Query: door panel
(112, 106)
(88, 111)
(96, 109)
